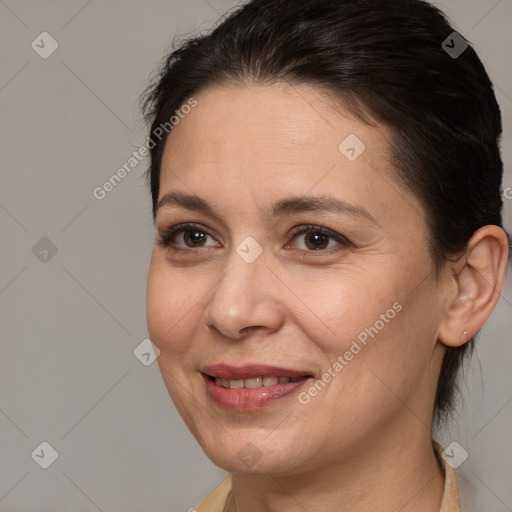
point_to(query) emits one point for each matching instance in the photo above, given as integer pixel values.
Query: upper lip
(225, 371)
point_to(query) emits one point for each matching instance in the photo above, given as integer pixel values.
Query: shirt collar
(450, 501)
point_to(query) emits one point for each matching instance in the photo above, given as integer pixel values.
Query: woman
(326, 185)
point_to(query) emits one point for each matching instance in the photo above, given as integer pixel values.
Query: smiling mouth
(251, 387)
(255, 382)
(252, 393)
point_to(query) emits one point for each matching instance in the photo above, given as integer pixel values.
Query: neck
(399, 473)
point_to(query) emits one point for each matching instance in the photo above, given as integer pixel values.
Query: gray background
(70, 324)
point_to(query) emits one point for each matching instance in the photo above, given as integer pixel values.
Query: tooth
(236, 384)
(225, 383)
(284, 380)
(270, 380)
(253, 383)
(218, 381)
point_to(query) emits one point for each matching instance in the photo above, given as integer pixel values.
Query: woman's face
(306, 261)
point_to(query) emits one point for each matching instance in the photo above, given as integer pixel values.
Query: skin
(363, 442)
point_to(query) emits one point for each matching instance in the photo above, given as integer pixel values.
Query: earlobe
(478, 278)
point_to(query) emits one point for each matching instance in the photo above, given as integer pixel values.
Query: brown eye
(316, 241)
(194, 238)
(184, 236)
(317, 238)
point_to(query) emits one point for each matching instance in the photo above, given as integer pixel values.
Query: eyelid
(314, 228)
(305, 228)
(165, 236)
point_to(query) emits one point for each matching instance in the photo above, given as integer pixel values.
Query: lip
(245, 399)
(225, 371)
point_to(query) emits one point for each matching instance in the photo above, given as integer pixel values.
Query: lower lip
(250, 399)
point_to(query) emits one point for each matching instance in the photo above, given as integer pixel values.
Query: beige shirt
(216, 500)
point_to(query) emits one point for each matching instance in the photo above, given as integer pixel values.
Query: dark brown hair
(385, 61)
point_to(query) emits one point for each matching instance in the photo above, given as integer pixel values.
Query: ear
(477, 282)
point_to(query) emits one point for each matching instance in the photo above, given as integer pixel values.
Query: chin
(250, 464)
(246, 456)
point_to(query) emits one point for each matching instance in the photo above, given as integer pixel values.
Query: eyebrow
(288, 205)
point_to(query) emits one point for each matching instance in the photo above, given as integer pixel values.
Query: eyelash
(166, 237)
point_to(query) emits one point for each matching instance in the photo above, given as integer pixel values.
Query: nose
(245, 299)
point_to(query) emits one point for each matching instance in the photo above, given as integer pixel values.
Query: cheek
(169, 308)
(169, 314)
(345, 306)
(377, 328)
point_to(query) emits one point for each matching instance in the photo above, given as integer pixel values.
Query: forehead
(278, 125)
(263, 141)
(281, 113)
